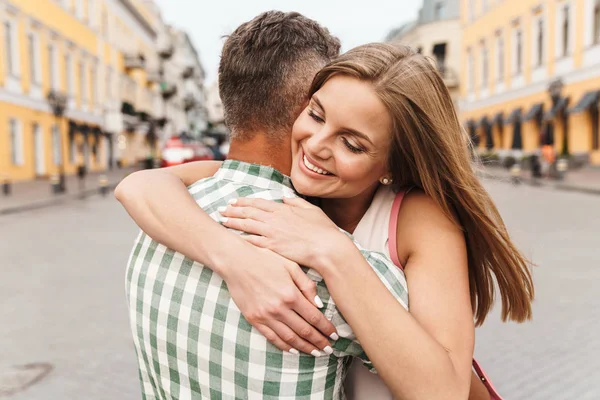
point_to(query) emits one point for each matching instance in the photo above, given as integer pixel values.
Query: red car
(178, 151)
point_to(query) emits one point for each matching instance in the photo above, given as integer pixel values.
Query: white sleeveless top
(371, 233)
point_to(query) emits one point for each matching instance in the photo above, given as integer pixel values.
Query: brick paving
(63, 302)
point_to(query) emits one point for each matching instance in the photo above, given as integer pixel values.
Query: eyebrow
(351, 131)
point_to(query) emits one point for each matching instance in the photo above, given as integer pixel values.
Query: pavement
(64, 323)
(584, 180)
(31, 195)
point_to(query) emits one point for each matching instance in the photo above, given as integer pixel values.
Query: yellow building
(531, 75)
(91, 53)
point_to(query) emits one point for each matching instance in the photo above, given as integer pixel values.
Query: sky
(354, 22)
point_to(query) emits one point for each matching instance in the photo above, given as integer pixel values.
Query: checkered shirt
(192, 341)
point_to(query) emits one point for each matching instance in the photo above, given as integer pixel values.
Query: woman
(380, 118)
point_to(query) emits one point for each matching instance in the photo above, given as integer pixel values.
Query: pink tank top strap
(393, 227)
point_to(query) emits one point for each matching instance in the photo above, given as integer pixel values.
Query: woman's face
(341, 140)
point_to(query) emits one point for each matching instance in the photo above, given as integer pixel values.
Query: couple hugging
(284, 272)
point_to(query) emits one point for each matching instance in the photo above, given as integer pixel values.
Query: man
(192, 340)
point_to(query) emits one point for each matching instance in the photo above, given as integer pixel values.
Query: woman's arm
(425, 354)
(275, 295)
(428, 352)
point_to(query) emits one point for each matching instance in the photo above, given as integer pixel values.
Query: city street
(63, 302)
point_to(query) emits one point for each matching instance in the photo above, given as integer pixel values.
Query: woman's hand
(297, 230)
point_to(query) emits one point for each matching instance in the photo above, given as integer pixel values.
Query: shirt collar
(253, 175)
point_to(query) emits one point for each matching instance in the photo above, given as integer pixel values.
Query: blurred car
(178, 151)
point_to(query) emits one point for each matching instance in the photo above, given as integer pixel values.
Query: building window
(439, 10)
(484, 5)
(52, 67)
(108, 86)
(500, 58)
(94, 85)
(16, 142)
(596, 32)
(484, 66)
(56, 150)
(439, 53)
(82, 86)
(34, 63)
(565, 31)
(69, 74)
(105, 22)
(12, 48)
(470, 75)
(518, 66)
(79, 9)
(540, 43)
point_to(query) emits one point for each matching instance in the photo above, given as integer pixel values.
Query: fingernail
(316, 353)
(294, 351)
(224, 219)
(334, 336)
(232, 201)
(328, 350)
(221, 209)
(318, 302)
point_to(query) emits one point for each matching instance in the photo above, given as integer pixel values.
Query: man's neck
(264, 151)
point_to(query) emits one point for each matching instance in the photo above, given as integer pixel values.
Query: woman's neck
(347, 213)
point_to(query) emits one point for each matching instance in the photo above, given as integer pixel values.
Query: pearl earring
(385, 181)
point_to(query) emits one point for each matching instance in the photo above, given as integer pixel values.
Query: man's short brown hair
(266, 68)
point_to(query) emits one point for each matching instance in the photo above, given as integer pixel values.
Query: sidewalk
(584, 180)
(35, 194)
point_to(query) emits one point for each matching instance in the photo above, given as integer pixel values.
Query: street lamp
(58, 103)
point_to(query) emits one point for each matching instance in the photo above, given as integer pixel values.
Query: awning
(589, 98)
(483, 122)
(517, 139)
(534, 112)
(560, 105)
(498, 119)
(514, 116)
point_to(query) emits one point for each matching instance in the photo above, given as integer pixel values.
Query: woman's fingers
(258, 241)
(244, 212)
(274, 338)
(302, 335)
(261, 204)
(246, 225)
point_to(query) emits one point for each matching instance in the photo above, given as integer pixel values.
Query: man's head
(266, 69)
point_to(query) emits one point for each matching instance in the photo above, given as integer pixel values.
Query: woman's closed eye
(314, 116)
(351, 147)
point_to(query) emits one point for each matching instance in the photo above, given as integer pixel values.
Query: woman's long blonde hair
(431, 150)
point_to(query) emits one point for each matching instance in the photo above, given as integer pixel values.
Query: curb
(539, 183)
(52, 201)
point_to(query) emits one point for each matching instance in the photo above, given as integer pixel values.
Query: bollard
(6, 189)
(515, 174)
(561, 167)
(55, 184)
(103, 185)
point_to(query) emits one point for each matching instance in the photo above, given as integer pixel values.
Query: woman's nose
(318, 146)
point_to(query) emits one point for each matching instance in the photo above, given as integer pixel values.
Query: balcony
(137, 61)
(189, 102)
(449, 76)
(188, 72)
(167, 89)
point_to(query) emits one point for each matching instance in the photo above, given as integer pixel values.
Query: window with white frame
(108, 85)
(56, 150)
(517, 51)
(69, 74)
(539, 42)
(52, 67)
(79, 9)
(91, 12)
(484, 5)
(16, 142)
(484, 65)
(596, 23)
(500, 57)
(82, 84)
(94, 84)
(11, 46)
(565, 30)
(470, 75)
(33, 47)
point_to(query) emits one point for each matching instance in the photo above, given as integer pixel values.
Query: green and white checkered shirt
(191, 340)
